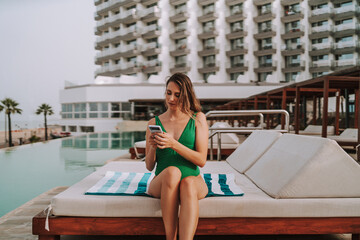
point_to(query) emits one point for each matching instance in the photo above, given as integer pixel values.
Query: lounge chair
(293, 184)
(317, 130)
(349, 137)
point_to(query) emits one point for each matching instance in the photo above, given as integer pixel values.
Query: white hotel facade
(238, 47)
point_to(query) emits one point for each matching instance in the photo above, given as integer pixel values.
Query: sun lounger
(349, 137)
(293, 185)
(317, 130)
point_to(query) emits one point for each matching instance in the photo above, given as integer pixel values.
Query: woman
(178, 153)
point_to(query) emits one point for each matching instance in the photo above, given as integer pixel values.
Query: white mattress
(255, 203)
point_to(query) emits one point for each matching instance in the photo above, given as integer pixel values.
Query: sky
(44, 43)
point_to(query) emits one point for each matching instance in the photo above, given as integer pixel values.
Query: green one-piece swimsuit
(168, 157)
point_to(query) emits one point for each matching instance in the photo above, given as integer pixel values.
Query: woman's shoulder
(152, 121)
(200, 116)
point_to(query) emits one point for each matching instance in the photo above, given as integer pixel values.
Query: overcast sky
(42, 44)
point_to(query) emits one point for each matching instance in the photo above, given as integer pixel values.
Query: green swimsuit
(168, 157)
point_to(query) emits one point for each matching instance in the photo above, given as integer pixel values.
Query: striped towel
(130, 183)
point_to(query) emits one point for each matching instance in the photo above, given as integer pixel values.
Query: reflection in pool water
(29, 170)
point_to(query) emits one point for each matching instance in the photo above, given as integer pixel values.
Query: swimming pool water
(29, 170)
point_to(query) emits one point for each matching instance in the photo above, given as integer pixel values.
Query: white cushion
(317, 129)
(350, 133)
(303, 166)
(252, 149)
(225, 137)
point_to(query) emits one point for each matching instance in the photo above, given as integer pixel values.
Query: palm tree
(10, 107)
(46, 109)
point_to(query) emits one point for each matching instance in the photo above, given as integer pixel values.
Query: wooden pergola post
(356, 124)
(283, 106)
(256, 108)
(297, 110)
(314, 110)
(325, 107)
(337, 113)
(268, 108)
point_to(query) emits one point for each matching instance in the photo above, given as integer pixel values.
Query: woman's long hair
(188, 103)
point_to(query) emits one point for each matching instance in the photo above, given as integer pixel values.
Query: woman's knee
(173, 176)
(188, 187)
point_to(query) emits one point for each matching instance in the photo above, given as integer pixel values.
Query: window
(180, 8)
(320, 40)
(292, 61)
(207, 9)
(320, 58)
(344, 56)
(209, 26)
(80, 107)
(292, 9)
(93, 115)
(237, 43)
(180, 61)
(181, 43)
(236, 9)
(236, 26)
(115, 107)
(237, 61)
(292, 26)
(344, 39)
(291, 77)
(209, 43)
(265, 61)
(234, 76)
(93, 106)
(262, 76)
(72, 129)
(265, 44)
(206, 75)
(344, 21)
(86, 128)
(321, 23)
(320, 6)
(264, 26)
(343, 4)
(318, 74)
(293, 43)
(264, 9)
(180, 26)
(209, 61)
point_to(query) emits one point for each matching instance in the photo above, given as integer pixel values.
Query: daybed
(293, 185)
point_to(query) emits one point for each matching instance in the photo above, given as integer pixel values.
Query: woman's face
(172, 95)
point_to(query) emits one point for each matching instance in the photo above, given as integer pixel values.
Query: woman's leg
(192, 189)
(166, 187)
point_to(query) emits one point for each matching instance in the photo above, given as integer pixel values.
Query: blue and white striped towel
(130, 183)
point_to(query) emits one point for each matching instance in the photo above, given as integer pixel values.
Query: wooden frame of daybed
(207, 226)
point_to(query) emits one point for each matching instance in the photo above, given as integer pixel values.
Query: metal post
(347, 109)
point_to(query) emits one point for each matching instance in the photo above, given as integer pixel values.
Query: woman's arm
(198, 156)
(150, 151)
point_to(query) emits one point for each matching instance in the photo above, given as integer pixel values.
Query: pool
(29, 170)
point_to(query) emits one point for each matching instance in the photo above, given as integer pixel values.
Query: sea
(20, 125)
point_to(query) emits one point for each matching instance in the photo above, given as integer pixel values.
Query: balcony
(180, 67)
(105, 23)
(179, 51)
(151, 31)
(289, 2)
(266, 32)
(179, 33)
(107, 6)
(265, 67)
(128, 3)
(321, 49)
(130, 33)
(130, 16)
(295, 66)
(292, 49)
(152, 66)
(345, 63)
(237, 50)
(208, 33)
(321, 31)
(130, 50)
(106, 38)
(237, 67)
(320, 14)
(130, 68)
(321, 66)
(346, 12)
(108, 53)
(291, 16)
(150, 49)
(261, 2)
(317, 2)
(263, 17)
(293, 32)
(150, 14)
(233, 2)
(208, 16)
(236, 16)
(179, 15)
(346, 29)
(267, 49)
(205, 2)
(209, 50)
(236, 33)
(209, 67)
(109, 70)
(346, 47)
(177, 2)
(148, 2)
(97, 2)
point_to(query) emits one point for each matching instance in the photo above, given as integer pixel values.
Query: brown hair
(188, 102)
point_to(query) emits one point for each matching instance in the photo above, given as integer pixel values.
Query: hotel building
(230, 49)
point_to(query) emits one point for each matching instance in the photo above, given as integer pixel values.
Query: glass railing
(345, 26)
(319, 46)
(346, 44)
(350, 8)
(347, 62)
(323, 28)
(322, 63)
(321, 11)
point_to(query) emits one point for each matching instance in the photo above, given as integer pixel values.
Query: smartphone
(155, 129)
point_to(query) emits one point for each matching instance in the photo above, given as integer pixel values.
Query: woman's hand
(152, 142)
(164, 140)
